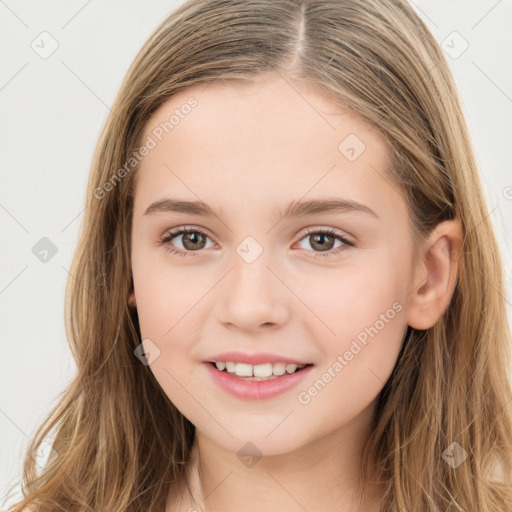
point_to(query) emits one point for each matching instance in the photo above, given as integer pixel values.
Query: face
(322, 286)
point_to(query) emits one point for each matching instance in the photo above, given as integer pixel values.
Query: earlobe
(435, 276)
(131, 299)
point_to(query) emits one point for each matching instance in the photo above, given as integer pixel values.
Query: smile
(256, 382)
(258, 372)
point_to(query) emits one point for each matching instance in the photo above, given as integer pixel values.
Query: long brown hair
(120, 443)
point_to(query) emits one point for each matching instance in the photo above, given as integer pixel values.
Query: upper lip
(256, 358)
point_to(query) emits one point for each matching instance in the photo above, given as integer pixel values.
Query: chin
(254, 442)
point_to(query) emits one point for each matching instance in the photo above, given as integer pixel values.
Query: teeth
(262, 370)
(258, 372)
(279, 369)
(243, 370)
(290, 368)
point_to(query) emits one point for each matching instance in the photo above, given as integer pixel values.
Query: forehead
(272, 110)
(268, 139)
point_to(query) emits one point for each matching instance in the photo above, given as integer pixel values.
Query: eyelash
(165, 240)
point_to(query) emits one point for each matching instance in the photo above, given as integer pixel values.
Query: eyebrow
(293, 210)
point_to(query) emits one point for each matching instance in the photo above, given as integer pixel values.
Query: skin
(251, 149)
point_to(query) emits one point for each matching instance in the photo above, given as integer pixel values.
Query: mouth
(247, 382)
(259, 372)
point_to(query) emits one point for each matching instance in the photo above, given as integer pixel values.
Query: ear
(435, 275)
(131, 299)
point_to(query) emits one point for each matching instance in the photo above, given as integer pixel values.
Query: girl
(287, 294)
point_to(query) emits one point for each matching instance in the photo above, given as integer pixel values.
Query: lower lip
(256, 390)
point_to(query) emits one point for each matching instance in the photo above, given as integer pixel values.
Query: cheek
(347, 300)
(173, 308)
(166, 294)
(358, 324)
(169, 310)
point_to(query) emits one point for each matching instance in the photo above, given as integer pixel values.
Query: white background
(51, 111)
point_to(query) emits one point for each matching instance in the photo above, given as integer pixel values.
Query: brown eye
(323, 242)
(192, 240)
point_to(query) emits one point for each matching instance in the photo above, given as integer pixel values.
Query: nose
(254, 297)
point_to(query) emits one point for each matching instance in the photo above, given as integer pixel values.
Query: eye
(193, 240)
(324, 239)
